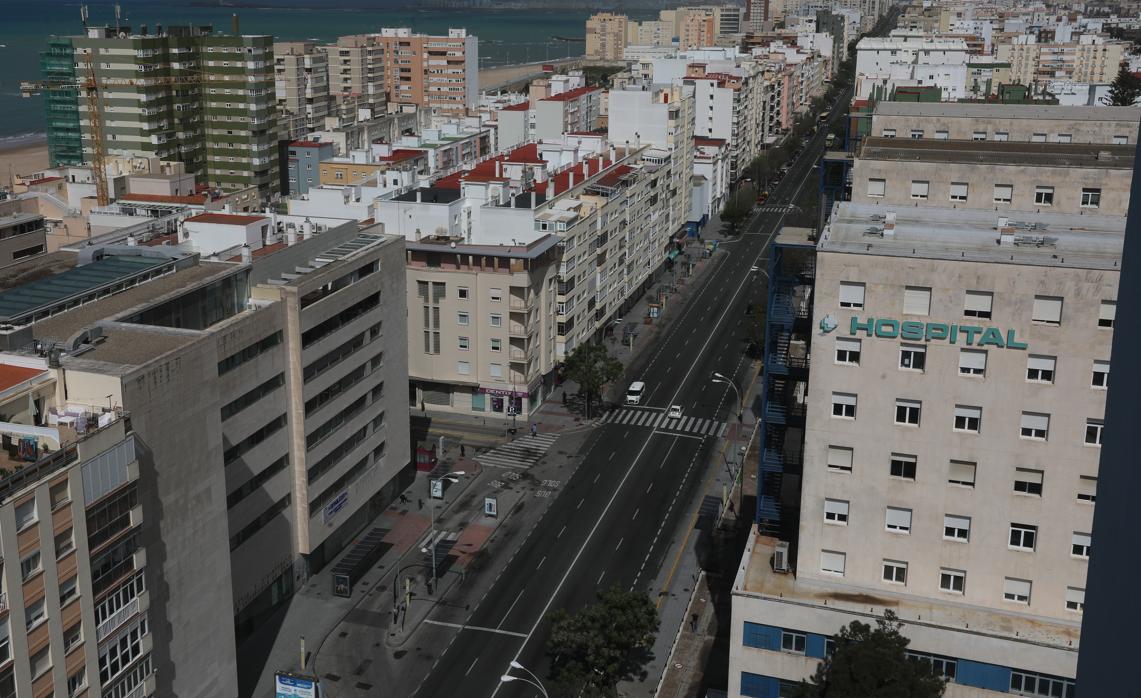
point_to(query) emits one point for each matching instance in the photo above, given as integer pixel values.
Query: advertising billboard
(294, 686)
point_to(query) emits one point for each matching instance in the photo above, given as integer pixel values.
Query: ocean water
(504, 36)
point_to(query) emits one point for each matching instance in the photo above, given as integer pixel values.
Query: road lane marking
(650, 487)
(635, 514)
(538, 566)
(600, 578)
(561, 532)
(473, 663)
(611, 456)
(595, 480)
(461, 626)
(619, 543)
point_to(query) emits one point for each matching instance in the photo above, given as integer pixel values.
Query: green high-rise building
(61, 106)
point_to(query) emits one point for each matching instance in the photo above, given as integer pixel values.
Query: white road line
(649, 487)
(611, 456)
(473, 663)
(460, 626)
(561, 532)
(596, 584)
(686, 424)
(680, 436)
(635, 514)
(722, 432)
(541, 562)
(595, 479)
(619, 543)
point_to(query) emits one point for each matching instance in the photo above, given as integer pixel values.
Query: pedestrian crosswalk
(655, 419)
(520, 454)
(774, 209)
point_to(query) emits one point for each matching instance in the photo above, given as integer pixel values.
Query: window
(496, 320)
(1028, 481)
(1040, 369)
(907, 412)
(1087, 488)
(59, 495)
(34, 614)
(916, 133)
(962, 472)
(954, 581)
(1064, 138)
(940, 666)
(972, 362)
(1035, 425)
(832, 562)
(1038, 138)
(1120, 140)
(793, 642)
(68, 590)
(847, 351)
(1000, 136)
(851, 294)
(916, 300)
(463, 319)
(844, 405)
(877, 187)
(978, 136)
(840, 458)
(957, 528)
(496, 370)
(41, 662)
(30, 565)
(919, 188)
(1079, 544)
(1030, 684)
(958, 191)
(912, 357)
(1022, 536)
(1016, 590)
(1044, 196)
(463, 368)
(464, 343)
(25, 514)
(1106, 313)
(941, 135)
(1003, 193)
(895, 571)
(889, 133)
(978, 304)
(72, 637)
(836, 511)
(903, 465)
(898, 520)
(1047, 310)
(1091, 197)
(64, 543)
(968, 418)
(1100, 375)
(462, 293)
(496, 295)
(496, 344)
(1094, 429)
(1075, 599)
(76, 682)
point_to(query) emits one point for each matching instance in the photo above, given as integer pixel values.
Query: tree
(607, 642)
(738, 206)
(1124, 91)
(871, 662)
(592, 367)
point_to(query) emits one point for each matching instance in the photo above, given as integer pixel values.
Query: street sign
(490, 507)
(342, 585)
(437, 489)
(294, 686)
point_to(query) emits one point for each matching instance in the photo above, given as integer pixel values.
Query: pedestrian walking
(534, 429)
(463, 452)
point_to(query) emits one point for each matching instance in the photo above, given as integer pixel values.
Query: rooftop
(571, 94)
(521, 106)
(757, 578)
(1068, 155)
(401, 154)
(1130, 115)
(225, 219)
(195, 200)
(531, 251)
(966, 235)
(18, 218)
(308, 144)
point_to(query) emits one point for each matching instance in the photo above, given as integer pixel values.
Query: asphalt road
(613, 522)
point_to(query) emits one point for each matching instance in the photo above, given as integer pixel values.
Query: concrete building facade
(606, 36)
(304, 169)
(301, 84)
(1082, 61)
(883, 64)
(1024, 123)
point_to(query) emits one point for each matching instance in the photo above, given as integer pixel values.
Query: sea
(505, 36)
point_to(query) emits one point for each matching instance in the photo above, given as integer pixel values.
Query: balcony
(521, 303)
(519, 330)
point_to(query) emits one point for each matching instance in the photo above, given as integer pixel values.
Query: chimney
(247, 255)
(889, 224)
(551, 188)
(586, 168)
(418, 194)
(570, 184)
(131, 241)
(291, 236)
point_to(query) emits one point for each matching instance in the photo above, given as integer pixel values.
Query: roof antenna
(118, 19)
(83, 15)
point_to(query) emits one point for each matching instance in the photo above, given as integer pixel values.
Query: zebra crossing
(520, 454)
(775, 208)
(658, 420)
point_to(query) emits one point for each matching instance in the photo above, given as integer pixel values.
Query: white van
(634, 393)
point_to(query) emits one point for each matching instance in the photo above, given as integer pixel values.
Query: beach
(23, 159)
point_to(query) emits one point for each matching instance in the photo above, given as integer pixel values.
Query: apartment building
(606, 36)
(574, 111)
(301, 85)
(304, 165)
(76, 594)
(1025, 123)
(711, 178)
(286, 340)
(952, 427)
(729, 106)
(1092, 59)
(995, 176)
(397, 67)
(697, 28)
(884, 64)
(184, 94)
(61, 107)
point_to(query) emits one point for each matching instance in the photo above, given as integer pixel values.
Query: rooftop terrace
(1067, 155)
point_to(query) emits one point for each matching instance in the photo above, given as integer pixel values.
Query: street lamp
(718, 378)
(508, 678)
(450, 477)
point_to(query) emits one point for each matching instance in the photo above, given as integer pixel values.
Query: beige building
(1076, 62)
(993, 176)
(606, 36)
(697, 27)
(356, 75)
(952, 432)
(1026, 123)
(301, 82)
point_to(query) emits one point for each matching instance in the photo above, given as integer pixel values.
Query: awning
(672, 254)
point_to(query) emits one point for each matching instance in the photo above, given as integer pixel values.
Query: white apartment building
(573, 111)
(711, 178)
(953, 423)
(1091, 59)
(883, 64)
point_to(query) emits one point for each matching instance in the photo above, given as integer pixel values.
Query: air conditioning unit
(780, 557)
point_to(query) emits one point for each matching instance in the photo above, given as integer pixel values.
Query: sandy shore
(495, 78)
(23, 160)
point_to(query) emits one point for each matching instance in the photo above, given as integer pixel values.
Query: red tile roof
(225, 219)
(702, 140)
(485, 171)
(562, 179)
(197, 199)
(401, 154)
(44, 180)
(11, 376)
(612, 177)
(571, 94)
(307, 144)
(521, 106)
